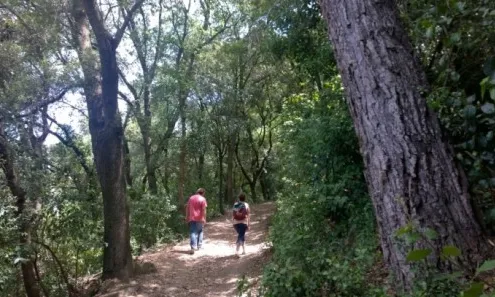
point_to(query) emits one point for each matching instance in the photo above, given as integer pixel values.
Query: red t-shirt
(195, 205)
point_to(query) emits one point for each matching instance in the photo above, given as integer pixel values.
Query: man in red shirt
(196, 218)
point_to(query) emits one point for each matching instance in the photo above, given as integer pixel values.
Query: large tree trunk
(105, 125)
(410, 170)
(7, 164)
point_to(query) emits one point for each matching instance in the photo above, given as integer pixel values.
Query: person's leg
(193, 235)
(200, 235)
(242, 236)
(238, 241)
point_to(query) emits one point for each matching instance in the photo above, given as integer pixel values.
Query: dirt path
(210, 272)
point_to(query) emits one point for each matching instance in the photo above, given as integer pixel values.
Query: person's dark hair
(242, 197)
(200, 191)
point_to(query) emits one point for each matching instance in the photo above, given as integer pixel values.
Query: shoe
(191, 252)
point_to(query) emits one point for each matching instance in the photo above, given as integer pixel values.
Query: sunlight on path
(211, 272)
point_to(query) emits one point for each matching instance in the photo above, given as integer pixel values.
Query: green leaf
(448, 276)
(484, 83)
(412, 237)
(403, 230)
(451, 251)
(431, 234)
(492, 93)
(429, 32)
(475, 290)
(455, 38)
(469, 111)
(418, 255)
(489, 66)
(488, 108)
(487, 266)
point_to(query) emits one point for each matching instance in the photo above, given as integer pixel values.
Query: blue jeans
(241, 232)
(196, 234)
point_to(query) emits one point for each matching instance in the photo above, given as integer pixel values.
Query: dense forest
(370, 124)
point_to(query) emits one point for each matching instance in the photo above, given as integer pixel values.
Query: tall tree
(410, 169)
(7, 162)
(106, 131)
(149, 50)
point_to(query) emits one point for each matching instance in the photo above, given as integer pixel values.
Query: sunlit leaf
(418, 255)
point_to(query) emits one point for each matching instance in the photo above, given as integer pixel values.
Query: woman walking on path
(241, 220)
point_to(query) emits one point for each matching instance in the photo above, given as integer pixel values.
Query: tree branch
(129, 85)
(37, 106)
(97, 23)
(127, 19)
(69, 142)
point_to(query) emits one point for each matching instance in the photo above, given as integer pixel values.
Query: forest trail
(211, 272)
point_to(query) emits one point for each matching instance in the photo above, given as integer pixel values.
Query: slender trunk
(182, 159)
(230, 168)
(252, 188)
(166, 171)
(220, 181)
(145, 132)
(201, 167)
(150, 168)
(7, 164)
(105, 125)
(264, 187)
(410, 170)
(127, 163)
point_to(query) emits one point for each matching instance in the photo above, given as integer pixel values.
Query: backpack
(239, 211)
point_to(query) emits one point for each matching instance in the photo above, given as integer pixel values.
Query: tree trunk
(127, 164)
(230, 168)
(264, 186)
(105, 125)
(410, 171)
(252, 187)
(7, 164)
(201, 166)
(145, 132)
(166, 173)
(220, 181)
(182, 160)
(150, 168)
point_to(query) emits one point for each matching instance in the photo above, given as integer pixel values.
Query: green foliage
(323, 232)
(456, 40)
(150, 220)
(429, 282)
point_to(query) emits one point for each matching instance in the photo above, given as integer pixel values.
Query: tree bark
(410, 170)
(105, 125)
(7, 164)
